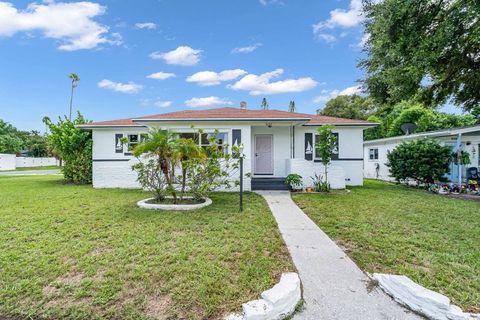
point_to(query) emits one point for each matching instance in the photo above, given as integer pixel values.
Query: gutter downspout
(458, 148)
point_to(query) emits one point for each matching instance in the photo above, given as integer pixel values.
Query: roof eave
(220, 119)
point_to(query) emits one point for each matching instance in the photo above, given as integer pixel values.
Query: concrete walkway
(333, 286)
(29, 172)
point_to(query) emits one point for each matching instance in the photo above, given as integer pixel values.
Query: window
(335, 151)
(204, 139)
(189, 135)
(132, 141)
(373, 154)
(220, 138)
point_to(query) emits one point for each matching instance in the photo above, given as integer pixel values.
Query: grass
(36, 168)
(73, 252)
(400, 230)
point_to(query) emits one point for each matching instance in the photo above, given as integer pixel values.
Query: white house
(466, 138)
(276, 143)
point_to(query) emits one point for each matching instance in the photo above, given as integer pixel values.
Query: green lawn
(74, 252)
(396, 229)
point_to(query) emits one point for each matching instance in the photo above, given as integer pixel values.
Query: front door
(263, 154)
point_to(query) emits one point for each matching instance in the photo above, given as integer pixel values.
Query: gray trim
(109, 160)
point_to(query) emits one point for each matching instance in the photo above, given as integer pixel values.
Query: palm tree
(186, 150)
(264, 104)
(160, 144)
(75, 79)
(291, 107)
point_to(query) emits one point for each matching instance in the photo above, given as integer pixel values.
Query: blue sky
(145, 57)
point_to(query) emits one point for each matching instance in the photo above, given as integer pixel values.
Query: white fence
(22, 162)
(7, 161)
(11, 162)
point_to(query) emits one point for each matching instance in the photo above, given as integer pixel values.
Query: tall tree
(428, 50)
(75, 79)
(10, 142)
(264, 104)
(351, 107)
(292, 107)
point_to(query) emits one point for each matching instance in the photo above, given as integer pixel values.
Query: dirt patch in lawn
(157, 307)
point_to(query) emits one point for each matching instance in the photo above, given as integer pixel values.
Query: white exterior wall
(113, 170)
(369, 170)
(7, 161)
(350, 145)
(281, 148)
(22, 162)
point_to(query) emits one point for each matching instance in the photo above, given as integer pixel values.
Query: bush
(424, 161)
(74, 146)
(202, 169)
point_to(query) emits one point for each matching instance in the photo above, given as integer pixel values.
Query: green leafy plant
(202, 169)
(74, 146)
(424, 161)
(319, 184)
(325, 147)
(462, 158)
(213, 170)
(295, 181)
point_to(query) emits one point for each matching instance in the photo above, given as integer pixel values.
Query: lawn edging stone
(176, 207)
(428, 303)
(276, 303)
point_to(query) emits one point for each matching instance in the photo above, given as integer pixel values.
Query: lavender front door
(263, 154)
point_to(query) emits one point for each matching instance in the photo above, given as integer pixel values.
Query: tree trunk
(71, 102)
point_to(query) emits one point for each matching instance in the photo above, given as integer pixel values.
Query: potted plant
(295, 181)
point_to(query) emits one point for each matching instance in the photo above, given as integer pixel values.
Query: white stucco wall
(350, 145)
(113, 170)
(7, 161)
(22, 162)
(369, 169)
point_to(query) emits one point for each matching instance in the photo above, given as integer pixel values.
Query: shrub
(294, 180)
(202, 170)
(74, 146)
(424, 161)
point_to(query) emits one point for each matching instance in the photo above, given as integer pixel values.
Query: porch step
(269, 184)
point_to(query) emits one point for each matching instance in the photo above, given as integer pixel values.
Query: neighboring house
(275, 142)
(466, 138)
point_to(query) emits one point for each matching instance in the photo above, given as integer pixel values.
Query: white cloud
(350, 90)
(326, 95)
(267, 2)
(211, 78)
(162, 104)
(207, 102)
(161, 75)
(364, 40)
(340, 18)
(247, 49)
(129, 87)
(261, 85)
(70, 23)
(146, 25)
(328, 38)
(183, 55)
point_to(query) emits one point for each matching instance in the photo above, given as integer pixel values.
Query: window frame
(373, 156)
(225, 144)
(335, 155)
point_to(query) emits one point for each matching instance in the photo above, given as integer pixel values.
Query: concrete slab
(333, 285)
(29, 172)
